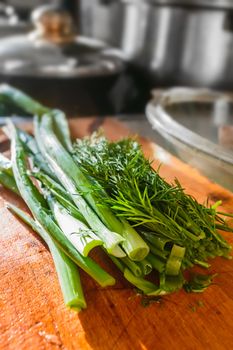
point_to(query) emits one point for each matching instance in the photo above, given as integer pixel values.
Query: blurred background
(111, 57)
(132, 46)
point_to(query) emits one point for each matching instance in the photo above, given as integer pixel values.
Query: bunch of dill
(157, 209)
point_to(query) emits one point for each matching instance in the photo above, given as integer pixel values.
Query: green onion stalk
(80, 188)
(65, 168)
(132, 243)
(59, 192)
(66, 269)
(39, 209)
(79, 234)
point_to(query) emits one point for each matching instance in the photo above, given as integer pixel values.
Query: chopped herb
(198, 283)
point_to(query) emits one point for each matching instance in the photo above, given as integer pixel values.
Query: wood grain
(32, 314)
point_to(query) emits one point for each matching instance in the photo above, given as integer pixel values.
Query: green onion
(62, 129)
(19, 99)
(134, 268)
(33, 151)
(145, 266)
(66, 269)
(79, 234)
(66, 170)
(157, 242)
(5, 165)
(38, 207)
(174, 261)
(158, 252)
(134, 245)
(198, 283)
(8, 181)
(170, 284)
(157, 263)
(59, 193)
(143, 285)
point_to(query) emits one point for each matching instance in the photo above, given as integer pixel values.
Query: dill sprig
(154, 207)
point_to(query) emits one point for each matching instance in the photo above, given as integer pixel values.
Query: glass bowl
(196, 125)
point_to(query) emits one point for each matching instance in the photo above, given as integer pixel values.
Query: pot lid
(54, 50)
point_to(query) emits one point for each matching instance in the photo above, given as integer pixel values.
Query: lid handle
(53, 24)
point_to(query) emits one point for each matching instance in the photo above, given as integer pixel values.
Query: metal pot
(176, 42)
(102, 19)
(60, 68)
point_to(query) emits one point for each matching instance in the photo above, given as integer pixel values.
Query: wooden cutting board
(32, 313)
